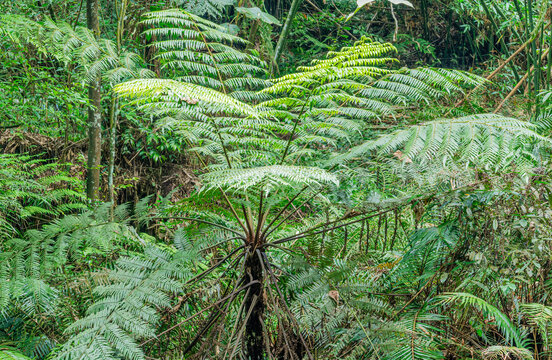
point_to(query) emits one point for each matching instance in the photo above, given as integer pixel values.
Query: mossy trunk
(255, 306)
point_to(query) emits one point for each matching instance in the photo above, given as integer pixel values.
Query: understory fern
(93, 57)
(512, 334)
(31, 188)
(30, 261)
(128, 310)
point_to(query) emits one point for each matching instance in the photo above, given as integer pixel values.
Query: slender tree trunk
(114, 112)
(253, 34)
(423, 8)
(112, 149)
(255, 306)
(94, 115)
(285, 31)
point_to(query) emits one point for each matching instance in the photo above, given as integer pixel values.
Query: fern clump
(92, 57)
(33, 189)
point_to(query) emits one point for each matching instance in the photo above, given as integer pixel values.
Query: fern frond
(267, 178)
(511, 333)
(491, 141)
(506, 352)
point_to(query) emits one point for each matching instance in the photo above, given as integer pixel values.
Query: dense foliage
(275, 179)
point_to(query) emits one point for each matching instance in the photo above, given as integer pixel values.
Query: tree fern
(263, 167)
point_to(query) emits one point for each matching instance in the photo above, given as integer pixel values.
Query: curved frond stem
(248, 218)
(235, 326)
(289, 203)
(261, 215)
(232, 209)
(223, 242)
(216, 304)
(215, 315)
(208, 271)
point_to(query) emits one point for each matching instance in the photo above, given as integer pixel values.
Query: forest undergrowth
(277, 179)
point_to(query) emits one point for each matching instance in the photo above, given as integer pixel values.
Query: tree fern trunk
(255, 306)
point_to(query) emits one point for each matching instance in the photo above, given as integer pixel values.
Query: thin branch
(264, 234)
(307, 233)
(301, 113)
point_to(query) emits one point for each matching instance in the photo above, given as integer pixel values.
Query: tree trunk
(255, 306)
(114, 112)
(285, 31)
(253, 34)
(94, 115)
(112, 150)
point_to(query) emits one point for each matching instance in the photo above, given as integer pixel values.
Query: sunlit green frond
(11, 354)
(148, 90)
(267, 177)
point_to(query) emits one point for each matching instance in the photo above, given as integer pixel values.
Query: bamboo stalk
(285, 31)
(498, 69)
(516, 88)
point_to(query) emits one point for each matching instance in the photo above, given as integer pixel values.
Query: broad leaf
(362, 3)
(257, 14)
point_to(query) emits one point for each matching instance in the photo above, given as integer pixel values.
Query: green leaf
(362, 3)
(9, 354)
(257, 14)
